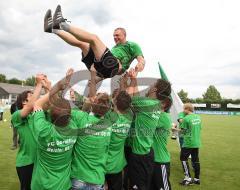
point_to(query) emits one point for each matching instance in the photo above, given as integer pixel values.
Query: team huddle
(113, 141)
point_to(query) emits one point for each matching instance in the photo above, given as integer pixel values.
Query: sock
(197, 169)
(55, 31)
(186, 168)
(65, 26)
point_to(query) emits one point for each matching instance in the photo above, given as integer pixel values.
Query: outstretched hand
(132, 73)
(38, 79)
(139, 67)
(124, 81)
(64, 83)
(46, 84)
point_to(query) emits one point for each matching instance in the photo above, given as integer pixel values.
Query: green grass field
(219, 156)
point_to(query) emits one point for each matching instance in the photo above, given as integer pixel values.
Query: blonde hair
(189, 107)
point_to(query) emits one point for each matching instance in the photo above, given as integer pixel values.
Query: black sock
(197, 169)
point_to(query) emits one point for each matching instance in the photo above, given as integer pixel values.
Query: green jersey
(147, 115)
(27, 147)
(116, 159)
(54, 155)
(161, 154)
(91, 149)
(181, 115)
(126, 53)
(129, 139)
(191, 127)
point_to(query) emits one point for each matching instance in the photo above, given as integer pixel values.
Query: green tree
(3, 78)
(236, 101)
(212, 95)
(199, 100)
(14, 81)
(30, 81)
(183, 96)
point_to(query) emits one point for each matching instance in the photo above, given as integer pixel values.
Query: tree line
(30, 81)
(211, 96)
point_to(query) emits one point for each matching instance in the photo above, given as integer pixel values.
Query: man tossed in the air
(107, 63)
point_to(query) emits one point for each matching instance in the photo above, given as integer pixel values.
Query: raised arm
(36, 93)
(92, 85)
(41, 102)
(141, 64)
(52, 93)
(46, 84)
(124, 82)
(47, 87)
(132, 90)
(56, 90)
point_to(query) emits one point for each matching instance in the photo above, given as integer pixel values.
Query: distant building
(9, 92)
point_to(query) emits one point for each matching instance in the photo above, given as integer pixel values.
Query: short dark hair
(123, 101)
(115, 93)
(60, 112)
(22, 98)
(163, 92)
(103, 104)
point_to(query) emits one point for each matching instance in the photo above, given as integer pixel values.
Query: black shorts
(127, 151)
(114, 181)
(107, 67)
(25, 176)
(160, 177)
(186, 152)
(140, 170)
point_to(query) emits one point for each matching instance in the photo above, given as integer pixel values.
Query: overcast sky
(197, 42)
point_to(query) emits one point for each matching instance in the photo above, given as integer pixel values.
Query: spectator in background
(191, 130)
(1, 111)
(13, 108)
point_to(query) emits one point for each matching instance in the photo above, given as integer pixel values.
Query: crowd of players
(113, 142)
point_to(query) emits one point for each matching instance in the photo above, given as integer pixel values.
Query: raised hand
(46, 83)
(139, 67)
(124, 81)
(132, 73)
(64, 83)
(39, 78)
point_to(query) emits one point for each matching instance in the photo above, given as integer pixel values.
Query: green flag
(162, 73)
(177, 105)
(164, 77)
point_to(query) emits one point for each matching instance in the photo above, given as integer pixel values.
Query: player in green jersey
(147, 114)
(161, 173)
(54, 144)
(120, 129)
(191, 129)
(91, 148)
(108, 63)
(22, 121)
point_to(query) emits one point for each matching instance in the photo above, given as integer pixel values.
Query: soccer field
(219, 156)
